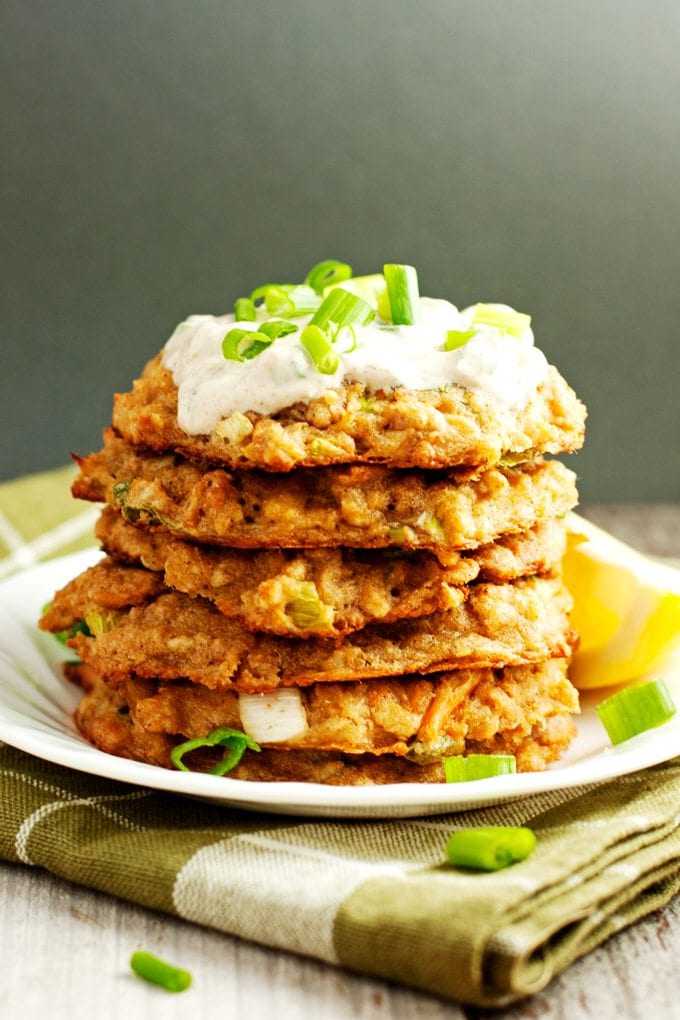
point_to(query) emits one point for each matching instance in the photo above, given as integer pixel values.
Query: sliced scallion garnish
(287, 299)
(276, 328)
(320, 350)
(327, 274)
(244, 310)
(507, 320)
(341, 308)
(244, 344)
(235, 741)
(456, 338)
(345, 339)
(403, 294)
(459, 769)
(490, 848)
(158, 972)
(636, 709)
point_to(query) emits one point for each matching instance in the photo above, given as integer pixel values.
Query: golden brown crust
(359, 733)
(363, 507)
(174, 636)
(403, 428)
(326, 592)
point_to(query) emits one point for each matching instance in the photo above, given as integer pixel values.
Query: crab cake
(526, 711)
(173, 635)
(362, 507)
(325, 592)
(436, 428)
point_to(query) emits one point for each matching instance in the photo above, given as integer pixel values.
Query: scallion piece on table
(244, 310)
(456, 338)
(234, 741)
(244, 344)
(402, 291)
(341, 308)
(320, 350)
(460, 769)
(158, 972)
(489, 848)
(326, 274)
(636, 709)
(507, 320)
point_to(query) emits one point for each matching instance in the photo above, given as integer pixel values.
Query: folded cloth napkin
(374, 896)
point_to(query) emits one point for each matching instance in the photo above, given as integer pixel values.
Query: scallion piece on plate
(341, 308)
(320, 350)
(456, 338)
(244, 310)
(402, 291)
(489, 848)
(507, 320)
(327, 274)
(244, 344)
(636, 709)
(158, 972)
(234, 741)
(460, 769)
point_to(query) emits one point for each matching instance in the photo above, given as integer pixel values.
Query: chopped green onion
(322, 447)
(490, 848)
(636, 709)
(507, 320)
(235, 428)
(342, 308)
(244, 310)
(398, 533)
(277, 328)
(98, 624)
(430, 523)
(370, 288)
(456, 338)
(459, 769)
(120, 491)
(346, 339)
(320, 350)
(244, 344)
(402, 290)
(326, 274)
(235, 741)
(158, 972)
(306, 609)
(278, 302)
(287, 299)
(260, 293)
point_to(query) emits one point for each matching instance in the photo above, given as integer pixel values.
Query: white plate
(36, 706)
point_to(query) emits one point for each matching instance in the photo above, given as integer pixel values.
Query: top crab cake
(336, 379)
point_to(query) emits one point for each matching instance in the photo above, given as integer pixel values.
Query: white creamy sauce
(491, 364)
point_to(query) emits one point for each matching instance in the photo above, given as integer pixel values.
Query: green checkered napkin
(375, 896)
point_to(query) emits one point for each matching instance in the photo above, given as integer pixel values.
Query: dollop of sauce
(492, 364)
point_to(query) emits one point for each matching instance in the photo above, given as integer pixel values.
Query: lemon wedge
(626, 611)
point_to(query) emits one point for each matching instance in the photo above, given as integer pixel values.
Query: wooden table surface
(65, 950)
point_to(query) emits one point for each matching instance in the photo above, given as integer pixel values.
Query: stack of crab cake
(363, 582)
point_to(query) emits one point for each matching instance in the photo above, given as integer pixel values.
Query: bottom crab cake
(363, 732)
(325, 592)
(172, 635)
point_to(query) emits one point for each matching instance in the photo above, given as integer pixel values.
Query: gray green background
(160, 158)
